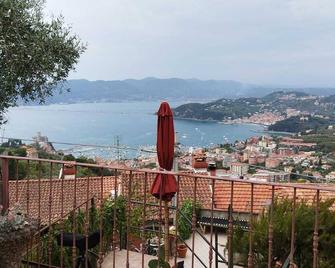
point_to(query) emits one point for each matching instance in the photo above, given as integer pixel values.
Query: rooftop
(53, 199)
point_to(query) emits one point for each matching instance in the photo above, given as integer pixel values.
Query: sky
(266, 42)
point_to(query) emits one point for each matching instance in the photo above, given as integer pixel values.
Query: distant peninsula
(289, 111)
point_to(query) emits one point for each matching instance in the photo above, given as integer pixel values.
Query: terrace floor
(201, 249)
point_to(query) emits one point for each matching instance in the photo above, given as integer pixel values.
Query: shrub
(185, 218)
(282, 220)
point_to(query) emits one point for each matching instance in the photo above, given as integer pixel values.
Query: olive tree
(36, 53)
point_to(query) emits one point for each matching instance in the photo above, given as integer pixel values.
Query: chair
(80, 242)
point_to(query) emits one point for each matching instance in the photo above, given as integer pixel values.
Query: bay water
(134, 123)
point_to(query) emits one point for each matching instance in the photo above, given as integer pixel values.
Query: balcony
(103, 216)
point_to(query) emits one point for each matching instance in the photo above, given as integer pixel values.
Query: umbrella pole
(166, 242)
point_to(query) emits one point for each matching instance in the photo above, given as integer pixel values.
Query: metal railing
(102, 209)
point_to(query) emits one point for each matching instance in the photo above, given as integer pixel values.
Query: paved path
(135, 259)
(201, 249)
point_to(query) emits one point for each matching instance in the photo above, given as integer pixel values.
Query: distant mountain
(162, 89)
(151, 89)
(280, 103)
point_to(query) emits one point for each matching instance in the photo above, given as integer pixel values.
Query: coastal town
(262, 158)
(229, 182)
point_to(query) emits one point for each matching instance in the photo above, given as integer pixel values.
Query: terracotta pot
(181, 249)
(135, 241)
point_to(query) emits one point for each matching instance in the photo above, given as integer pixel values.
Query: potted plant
(185, 224)
(159, 263)
(182, 250)
(16, 229)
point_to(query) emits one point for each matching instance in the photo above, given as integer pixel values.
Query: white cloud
(238, 39)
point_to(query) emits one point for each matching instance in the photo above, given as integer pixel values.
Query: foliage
(185, 218)
(227, 147)
(16, 230)
(12, 143)
(106, 214)
(93, 171)
(13, 149)
(150, 165)
(282, 219)
(20, 170)
(252, 170)
(325, 141)
(295, 124)
(15, 226)
(35, 54)
(158, 264)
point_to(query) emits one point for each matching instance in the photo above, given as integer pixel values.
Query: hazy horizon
(289, 42)
(274, 86)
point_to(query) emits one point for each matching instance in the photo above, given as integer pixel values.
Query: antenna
(118, 152)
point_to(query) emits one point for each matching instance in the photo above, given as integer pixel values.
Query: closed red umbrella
(165, 186)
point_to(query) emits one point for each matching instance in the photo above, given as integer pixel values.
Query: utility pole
(176, 152)
(175, 169)
(118, 153)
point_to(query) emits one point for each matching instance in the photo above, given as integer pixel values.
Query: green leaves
(185, 218)
(282, 221)
(158, 264)
(35, 54)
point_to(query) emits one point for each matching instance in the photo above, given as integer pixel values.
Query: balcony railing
(99, 211)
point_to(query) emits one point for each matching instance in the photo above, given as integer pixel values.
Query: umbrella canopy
(165, 186)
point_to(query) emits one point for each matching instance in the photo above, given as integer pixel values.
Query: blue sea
(101, 123)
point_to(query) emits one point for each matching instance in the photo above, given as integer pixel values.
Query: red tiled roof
(262, 196)
(222, 194)
(18, 193)
(186, 188)
(305, 195)
(241, 196)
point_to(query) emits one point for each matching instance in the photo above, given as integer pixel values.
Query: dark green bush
(185, 217)
(282, 220)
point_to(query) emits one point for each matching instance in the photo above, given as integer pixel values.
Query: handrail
(182, 240)
(196, 255)
(125, 173)
(286, 264)
(37, 264)
(117, 168)
(45, 228)
(190, 223)
(204, 238)
(64, 216)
